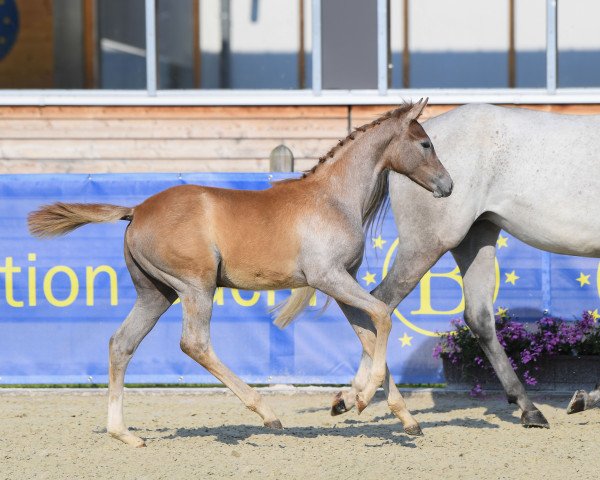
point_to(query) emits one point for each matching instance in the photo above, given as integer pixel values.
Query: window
(357, 52)
(578, 43)
(255, 44)
(68, 44)
(467, 43)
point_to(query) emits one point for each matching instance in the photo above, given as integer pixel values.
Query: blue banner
(62, 299)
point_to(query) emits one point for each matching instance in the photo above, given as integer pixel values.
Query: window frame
(152, 95)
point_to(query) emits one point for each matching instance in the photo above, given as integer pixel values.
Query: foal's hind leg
(195, 341)
(475, 257)
(152, 301)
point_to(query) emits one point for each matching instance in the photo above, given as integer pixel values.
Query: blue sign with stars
(9, 26)
(61, 300)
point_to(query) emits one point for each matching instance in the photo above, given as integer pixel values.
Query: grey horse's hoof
(339, 406)
(534, 419)
(577, 403)
(414, 430)
(275, 424)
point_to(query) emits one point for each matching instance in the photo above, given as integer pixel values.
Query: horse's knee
(120, 349)
(381, 318)
(194, 348)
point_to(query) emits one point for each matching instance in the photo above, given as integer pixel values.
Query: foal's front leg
(344, 401)
(343, 287)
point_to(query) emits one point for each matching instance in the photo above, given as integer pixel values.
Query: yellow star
(594, 314)
(511, 277)
(502, 242)
(502, 312)
(369, 278)
(583, 279)
(378, 242)
(405, 340)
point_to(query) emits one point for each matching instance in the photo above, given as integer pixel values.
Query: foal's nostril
(445, 185)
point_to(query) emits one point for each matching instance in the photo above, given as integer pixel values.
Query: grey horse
(527, 172)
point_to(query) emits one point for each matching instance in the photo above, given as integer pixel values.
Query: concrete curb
(268, 391)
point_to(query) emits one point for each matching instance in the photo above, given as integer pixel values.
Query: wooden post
(301, 48)
(90, 45)
(406, 50)
(281, 159)
(512, 71)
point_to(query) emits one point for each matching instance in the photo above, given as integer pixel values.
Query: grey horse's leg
(475, 257)
(413, 259)
(152, 301)
(366, 335)
(584, 401)
(195, 342)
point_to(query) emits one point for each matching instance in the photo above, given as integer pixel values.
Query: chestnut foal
(188, 240)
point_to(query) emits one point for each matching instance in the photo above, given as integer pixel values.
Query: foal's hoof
(577, 403)
(534, 419)
(274, 424)
(339, 406)
(360, 403)
(128, 438)
(414, 430)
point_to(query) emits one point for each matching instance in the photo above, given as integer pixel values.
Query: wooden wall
(179, 139)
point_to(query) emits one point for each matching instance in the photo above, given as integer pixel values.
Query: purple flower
(476, 391)
(529, 380)
(525, 345)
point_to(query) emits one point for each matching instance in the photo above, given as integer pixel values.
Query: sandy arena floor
(46, 434)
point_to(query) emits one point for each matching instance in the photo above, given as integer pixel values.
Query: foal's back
(251, 238)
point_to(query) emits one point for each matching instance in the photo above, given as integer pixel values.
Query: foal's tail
(61, 218)
(291, 308)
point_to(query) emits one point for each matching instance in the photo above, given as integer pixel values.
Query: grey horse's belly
(569, 231)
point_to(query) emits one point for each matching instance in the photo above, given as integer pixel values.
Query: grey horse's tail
(61, 218)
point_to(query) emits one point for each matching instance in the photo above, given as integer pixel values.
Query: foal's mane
(377, 204)
(396, 113)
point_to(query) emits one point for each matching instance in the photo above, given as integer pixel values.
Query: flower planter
(557, 373)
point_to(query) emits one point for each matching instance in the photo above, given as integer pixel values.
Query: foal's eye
(426, 144)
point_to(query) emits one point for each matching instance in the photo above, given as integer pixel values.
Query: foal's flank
(305, 233)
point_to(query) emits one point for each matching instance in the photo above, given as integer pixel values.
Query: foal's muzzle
(443, 186)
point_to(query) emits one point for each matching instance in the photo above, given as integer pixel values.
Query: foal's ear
(417, 109)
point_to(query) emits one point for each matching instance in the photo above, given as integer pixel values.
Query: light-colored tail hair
(61, 218)
(288, 310)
